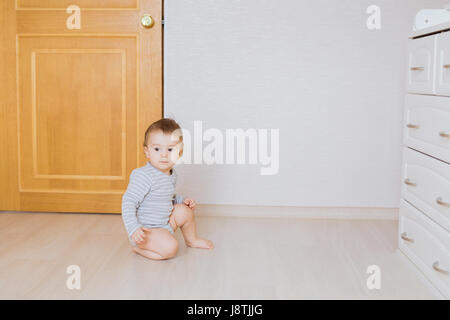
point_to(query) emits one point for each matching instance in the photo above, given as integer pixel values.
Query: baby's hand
(139, 235)
(189, 202)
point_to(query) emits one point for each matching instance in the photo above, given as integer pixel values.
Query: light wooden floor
(254, 258)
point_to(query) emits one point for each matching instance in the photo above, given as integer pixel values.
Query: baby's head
(163, 144)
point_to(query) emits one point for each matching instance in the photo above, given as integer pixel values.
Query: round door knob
(147, 21)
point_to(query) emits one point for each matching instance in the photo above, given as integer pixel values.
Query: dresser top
(431, 30)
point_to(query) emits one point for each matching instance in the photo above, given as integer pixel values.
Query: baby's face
(162, 150)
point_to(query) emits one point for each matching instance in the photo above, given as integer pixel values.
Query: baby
(151, 211)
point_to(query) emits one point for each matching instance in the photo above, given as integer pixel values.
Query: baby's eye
(170, 149)
(156, 149)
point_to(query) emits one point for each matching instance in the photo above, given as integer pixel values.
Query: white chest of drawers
(424, 218)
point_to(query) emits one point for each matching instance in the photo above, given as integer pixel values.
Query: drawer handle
(404, 237)
(442, 203)
(436, 267)
(444, 135)
(412, 126)
(409, 183)
(417, 68)
(446, 66)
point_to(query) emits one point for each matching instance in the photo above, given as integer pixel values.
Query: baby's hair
(166, 125)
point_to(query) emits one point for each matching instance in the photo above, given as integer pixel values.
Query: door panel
(93, 22)
(74, 97)
(84, 98)
(97, 4)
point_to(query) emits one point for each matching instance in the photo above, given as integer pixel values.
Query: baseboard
(209, 210)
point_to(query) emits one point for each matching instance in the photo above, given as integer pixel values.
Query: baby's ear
(146, 150)
(181, 146)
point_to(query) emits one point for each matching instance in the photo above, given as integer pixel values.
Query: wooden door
(77, 93)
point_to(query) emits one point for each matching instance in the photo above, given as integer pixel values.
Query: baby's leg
(148, 254)
(182, 216)
(159, 244)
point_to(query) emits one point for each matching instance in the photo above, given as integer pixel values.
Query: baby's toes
(209, 244)
(206, 244)
(201, 243)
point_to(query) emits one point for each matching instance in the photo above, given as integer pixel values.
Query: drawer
(426, 185)
(421, 65)
(426, 123)
(426, 244)
(442, 82)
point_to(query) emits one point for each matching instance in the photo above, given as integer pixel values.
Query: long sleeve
(177, 197)
(138, 187)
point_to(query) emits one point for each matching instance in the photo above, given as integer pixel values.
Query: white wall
(308, 67)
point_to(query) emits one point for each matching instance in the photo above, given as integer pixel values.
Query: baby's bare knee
(183, 213)
(170, 249)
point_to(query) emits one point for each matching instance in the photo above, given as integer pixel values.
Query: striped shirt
(149, 198)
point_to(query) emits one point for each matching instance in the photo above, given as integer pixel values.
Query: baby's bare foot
(200, 243)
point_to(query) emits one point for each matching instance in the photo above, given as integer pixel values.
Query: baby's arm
(178, 199)
(138, 188)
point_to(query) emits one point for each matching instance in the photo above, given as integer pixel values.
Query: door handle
(147, 21)
(404, 237)
(442, 203)
(409, 183)
(436, 267)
